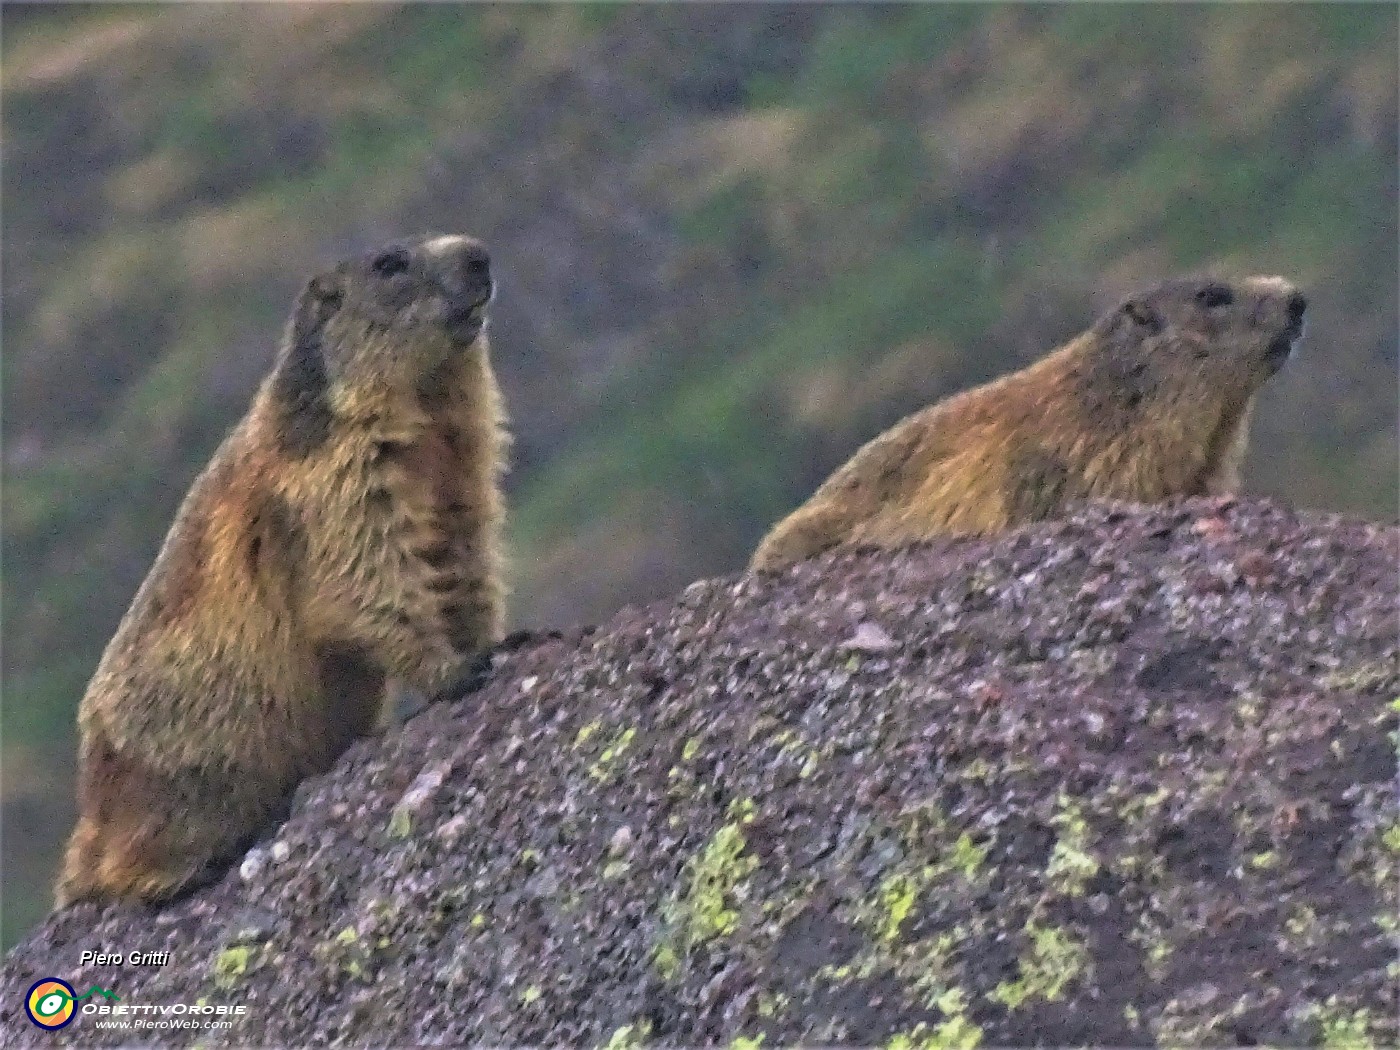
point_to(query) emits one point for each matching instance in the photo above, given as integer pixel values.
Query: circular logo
(49, 1003)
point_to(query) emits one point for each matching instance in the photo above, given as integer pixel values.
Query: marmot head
(397, 312)
(390, 319)
(1197, 338)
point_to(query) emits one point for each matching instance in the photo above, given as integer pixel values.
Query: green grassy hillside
(733, 243)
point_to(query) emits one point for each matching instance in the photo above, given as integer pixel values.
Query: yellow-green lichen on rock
(1053, 961)
(997, 847)
(714, 882)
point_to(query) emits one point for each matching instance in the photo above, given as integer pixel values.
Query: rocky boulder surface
(1123, 779)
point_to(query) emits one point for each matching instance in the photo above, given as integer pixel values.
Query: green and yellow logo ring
(50, 1003)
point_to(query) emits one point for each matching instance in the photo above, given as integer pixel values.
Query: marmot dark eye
(1213, 295)
(386, 264)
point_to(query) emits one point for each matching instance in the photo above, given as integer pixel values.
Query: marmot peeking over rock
(1150, 403)
(346, 531)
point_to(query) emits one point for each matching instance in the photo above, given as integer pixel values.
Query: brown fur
(347, 531)
(1151, 403)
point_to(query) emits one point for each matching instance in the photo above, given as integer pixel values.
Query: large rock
(1123, 779)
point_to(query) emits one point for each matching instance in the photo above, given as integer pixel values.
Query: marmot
(1150, 403)
(346, 531)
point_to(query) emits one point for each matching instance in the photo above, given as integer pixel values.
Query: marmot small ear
(300, 380)
(326, 290)
(320, 299)
(1143, 315)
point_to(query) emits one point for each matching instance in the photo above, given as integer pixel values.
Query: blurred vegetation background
(733, 243)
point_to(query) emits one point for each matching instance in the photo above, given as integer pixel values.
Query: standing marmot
(347, 530)
(1151, 402)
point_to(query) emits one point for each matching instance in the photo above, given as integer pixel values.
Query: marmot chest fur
(348, 530)
(1150, 403)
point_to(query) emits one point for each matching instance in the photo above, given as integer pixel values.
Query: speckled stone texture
(1124, 779)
